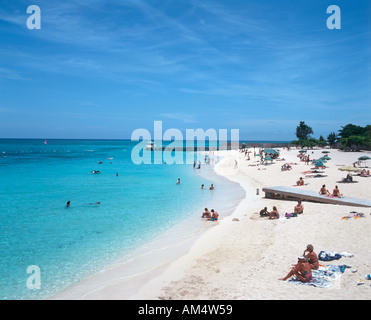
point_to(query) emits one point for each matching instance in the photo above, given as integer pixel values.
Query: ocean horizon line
(125, 139)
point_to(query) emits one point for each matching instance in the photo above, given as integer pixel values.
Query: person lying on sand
(312, 257)
(323, 191)
(274, 213)
(299, 208)
(302, 270)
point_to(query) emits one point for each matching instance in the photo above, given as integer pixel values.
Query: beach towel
(354, 214)
(316, 282)
(290, 215)
(324, 277)
(328, 256)
(347, 254)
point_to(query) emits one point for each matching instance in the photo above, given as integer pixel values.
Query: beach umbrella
(325, 158)
(363, 158)
(303, 151)
(349, 168)
(325, 151)
(258, 155)
(319, 164)
(268, 159)
(319, 161)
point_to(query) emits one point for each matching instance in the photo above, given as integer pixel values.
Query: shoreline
(232, 259)
(206, 243)
(122, 278)
(249, 253)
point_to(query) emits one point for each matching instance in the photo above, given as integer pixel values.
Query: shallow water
(69, 244)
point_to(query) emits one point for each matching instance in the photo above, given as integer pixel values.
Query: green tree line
(351, 137)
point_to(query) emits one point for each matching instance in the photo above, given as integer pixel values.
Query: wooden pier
(287, 193)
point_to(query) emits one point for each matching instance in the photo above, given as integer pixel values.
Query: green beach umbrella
(363, 158)
(303, 151)
(325, 151)
(319, 164)
(319, 161)
(326, 157)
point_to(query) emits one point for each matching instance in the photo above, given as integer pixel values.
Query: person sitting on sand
(299, 208)
(336, 192)
(264, 212)
(302, 270)
(349, 178)
(206, 214)
(274, 213)
(214, 216)
(312, 257)
(300, 182)
(323, 191)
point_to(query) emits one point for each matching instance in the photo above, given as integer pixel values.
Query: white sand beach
(243, 255)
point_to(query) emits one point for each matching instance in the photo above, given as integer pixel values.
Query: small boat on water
(150, 146)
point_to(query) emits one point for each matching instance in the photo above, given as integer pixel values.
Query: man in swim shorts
(336, 192)
(299, 208)
(214, 216)
(302, 270)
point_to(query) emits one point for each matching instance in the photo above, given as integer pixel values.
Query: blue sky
(103, 68)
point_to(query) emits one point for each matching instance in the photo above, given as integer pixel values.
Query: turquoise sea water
(68, 244)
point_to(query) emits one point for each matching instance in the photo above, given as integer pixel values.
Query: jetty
(216, 147)
(287, 193)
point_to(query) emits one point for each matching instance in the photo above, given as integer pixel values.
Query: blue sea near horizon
(69, 244)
